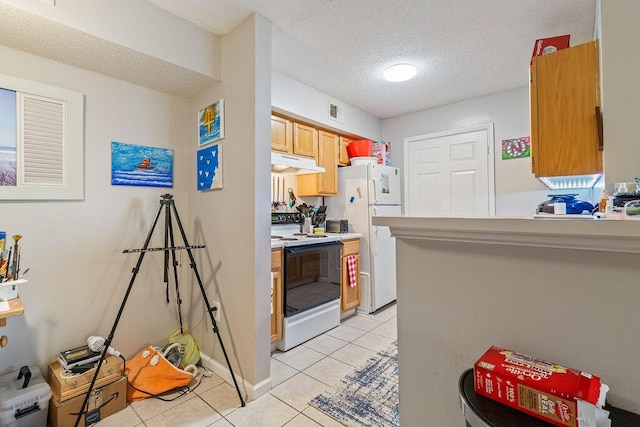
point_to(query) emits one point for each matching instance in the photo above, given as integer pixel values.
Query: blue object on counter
(574, 206)
(352, 199)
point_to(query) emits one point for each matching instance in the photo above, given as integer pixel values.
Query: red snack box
(536, 387)
(550, 45)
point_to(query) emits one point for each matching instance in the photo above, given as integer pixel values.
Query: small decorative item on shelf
(9, 289)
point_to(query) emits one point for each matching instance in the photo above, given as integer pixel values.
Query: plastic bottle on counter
(609, 208)
(603, 200)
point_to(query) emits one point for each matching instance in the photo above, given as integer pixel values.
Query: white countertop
(339, 236)
(597, 235)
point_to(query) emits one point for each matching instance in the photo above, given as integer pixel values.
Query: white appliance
(287, 163)
(366, 191)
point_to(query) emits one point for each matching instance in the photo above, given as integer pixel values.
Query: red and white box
(550, 45)
(559, 395)
(382, 151)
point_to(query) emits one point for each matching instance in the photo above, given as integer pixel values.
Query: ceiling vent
(336, 112)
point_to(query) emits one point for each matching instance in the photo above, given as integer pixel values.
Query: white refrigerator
(365, 191)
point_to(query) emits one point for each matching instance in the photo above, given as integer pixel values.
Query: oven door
(311, 276)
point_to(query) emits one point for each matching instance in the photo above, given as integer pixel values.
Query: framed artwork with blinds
(41, 141)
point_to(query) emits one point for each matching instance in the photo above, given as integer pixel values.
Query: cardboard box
(545, 390)
(67, 386)
(104, 401)
(550, 45)
(382, 151)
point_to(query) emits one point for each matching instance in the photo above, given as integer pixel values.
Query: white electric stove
(311, 290)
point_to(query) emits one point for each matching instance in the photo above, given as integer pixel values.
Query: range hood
(286, 163)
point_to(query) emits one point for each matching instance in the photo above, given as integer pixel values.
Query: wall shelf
(15, 308)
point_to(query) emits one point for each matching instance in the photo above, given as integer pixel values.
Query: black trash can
(480, 411)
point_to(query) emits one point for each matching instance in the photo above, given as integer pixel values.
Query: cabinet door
(350, 296)
(322, 184)
(564, 122)
(305, 140)
(343, 157)
(328, 159)
(281, 134)
(276, 295)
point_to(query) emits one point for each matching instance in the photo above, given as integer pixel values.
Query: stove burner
(288, 238)
(276, 237)
(316, 235)
(299, 234)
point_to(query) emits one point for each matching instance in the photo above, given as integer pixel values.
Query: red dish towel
(352, 268)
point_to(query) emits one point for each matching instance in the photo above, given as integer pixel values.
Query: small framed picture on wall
(209, 173)
(211, 123)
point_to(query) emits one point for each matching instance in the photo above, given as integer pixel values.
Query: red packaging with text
(537, 387)
(550, 45)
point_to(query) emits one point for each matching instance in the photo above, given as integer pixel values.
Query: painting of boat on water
(8, 137)
(141, 166)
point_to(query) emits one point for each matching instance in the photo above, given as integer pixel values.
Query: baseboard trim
(249, 391)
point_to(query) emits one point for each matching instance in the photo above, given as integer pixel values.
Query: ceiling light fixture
(400, 73)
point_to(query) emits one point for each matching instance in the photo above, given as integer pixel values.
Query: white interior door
(450, 173)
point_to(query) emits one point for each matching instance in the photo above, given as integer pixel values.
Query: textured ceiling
(61, 43)
(462, 48)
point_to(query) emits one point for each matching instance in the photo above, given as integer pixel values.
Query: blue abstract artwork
(141, 166)
(209, 161)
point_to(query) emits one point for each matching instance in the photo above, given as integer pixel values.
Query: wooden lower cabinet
(276, 295)
(350, 296)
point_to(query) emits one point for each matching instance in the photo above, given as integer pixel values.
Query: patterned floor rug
(367, 397)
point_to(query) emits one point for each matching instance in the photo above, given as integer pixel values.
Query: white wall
(620, 71)
(574, 308)
(517, 191)
(78, 274)
(298, 100)
(234, 222)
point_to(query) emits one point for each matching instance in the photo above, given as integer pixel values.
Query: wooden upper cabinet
(343, 157)
(322, 184)
(305, 140)
(565, 123)
(281, 134)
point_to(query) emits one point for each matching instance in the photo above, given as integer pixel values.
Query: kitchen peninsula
(567, 291)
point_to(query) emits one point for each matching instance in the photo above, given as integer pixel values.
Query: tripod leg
(175, 272)
(108, 340)
(206, 301)
(167, 224)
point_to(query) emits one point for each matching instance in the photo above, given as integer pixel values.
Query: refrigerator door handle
(375, 191)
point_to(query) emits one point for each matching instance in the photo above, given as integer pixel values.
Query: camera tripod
(167, 204)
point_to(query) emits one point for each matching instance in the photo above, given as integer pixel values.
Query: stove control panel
(286, 217)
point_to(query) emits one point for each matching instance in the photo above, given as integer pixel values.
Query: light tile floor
(298, 375)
